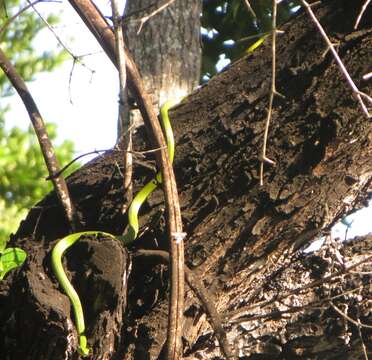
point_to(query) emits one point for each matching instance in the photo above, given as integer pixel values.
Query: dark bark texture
(243, 240)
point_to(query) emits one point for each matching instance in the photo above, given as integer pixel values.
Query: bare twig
(76, 58)
(252, 37)
(98, 25)
(204, 297)
(367, 76)
(42, 135)
(138, 11)
(362, 11)
(250, 9)
(94, 152)
(291, 309)
(364, 348)
(327, 279)
(357, 323)
(124, 126)
(273, 92)
(97, 152)
(145, 152)
(348, 318)
(356, 92)
(148, 17)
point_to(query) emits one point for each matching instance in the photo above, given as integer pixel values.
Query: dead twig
(76, 59)
(250, 9)
(138, 11)
(125, 126)
(331, 278)
(348, 318)
(291, 309)
(367, 76)
(362, 11)
(42, 135)
(146, 18)
(99, 27)
(273, 93)
(357, 323)
(359, 95)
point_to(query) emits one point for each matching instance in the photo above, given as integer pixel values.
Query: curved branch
(42, 135)
(100, 28)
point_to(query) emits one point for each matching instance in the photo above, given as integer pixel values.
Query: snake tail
(131, 234)
(57, 254)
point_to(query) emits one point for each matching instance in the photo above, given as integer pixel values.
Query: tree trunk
(244, 241)
(165, 48)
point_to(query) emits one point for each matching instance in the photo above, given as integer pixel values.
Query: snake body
(130, 235)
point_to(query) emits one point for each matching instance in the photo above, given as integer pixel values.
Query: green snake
(130, 235)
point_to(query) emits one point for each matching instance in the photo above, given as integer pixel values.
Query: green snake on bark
(131, 234)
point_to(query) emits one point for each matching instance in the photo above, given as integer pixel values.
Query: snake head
(83, 349)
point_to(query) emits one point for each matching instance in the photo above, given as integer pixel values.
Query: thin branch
(361, 336)
(99, 27)
(148, 17)
(327, 279)
(124, 125)
(142, 153)
(42, 135)
(138, 11)
(356, 92)
(348, 318)
(59, 173)
(362, 11)
(252, 37)
(367, 76)
(357, 323)
(197, 286)
(273, 92)
(250, 9)
(97, 152)
(291, 309)
(76, 58)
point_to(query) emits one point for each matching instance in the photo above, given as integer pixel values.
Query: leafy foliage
(22, 168)
(23, 173)
(230, 28)
(10, 258)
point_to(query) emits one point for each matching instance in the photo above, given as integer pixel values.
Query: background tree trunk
(243, 240)
(166, 48)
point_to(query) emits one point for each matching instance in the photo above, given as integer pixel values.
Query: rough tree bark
(243, 240)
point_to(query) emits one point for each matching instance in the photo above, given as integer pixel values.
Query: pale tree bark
(166, 46)
(244, 241)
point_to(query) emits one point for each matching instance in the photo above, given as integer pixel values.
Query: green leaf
(10, 259)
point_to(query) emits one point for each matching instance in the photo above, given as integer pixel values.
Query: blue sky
(90, 120)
